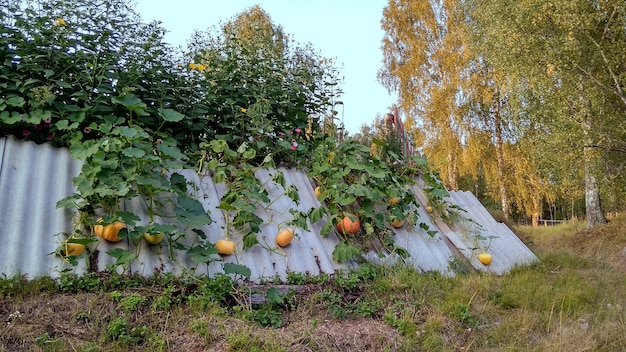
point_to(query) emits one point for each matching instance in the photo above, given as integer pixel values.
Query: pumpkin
(348, 227)
(109, 232)
(225, 246)
(485, 258)
(394, 200)
(154, 239)
(318, 192)
(429, 209)
(72, 249)
(397, 223)
(284, 237)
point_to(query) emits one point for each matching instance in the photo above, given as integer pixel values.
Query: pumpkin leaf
(279, 178)
(315, 214)
(171, 115)
(232, 268)
(345, 251)
(292, 192)
(249, 240)
(121, 256)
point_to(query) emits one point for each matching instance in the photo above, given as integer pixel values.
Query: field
(574, 299)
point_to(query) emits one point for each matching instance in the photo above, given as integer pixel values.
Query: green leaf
(37, 116)
(328, 226)
(439, 192)
(178, 182)
(82, 151)
(196, 220)
(190, 206)
(273, 296)
(132, 103)
(316, 214)
(171, 115)
(219, 177)
(292, 192)
(232, 268)
(202, 254)
(150, 181)
(379, 142)
(345, 251)
(64, 125)
(127, 217)
(171, 152)
(133, 152)
(269, 161)
(122, 256)
(69, 202)
(15, 101)
(249, 240)
(249, 154)
(279, 178)
(218, 145)
(128, 132)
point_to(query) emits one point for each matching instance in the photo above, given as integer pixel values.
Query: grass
(573, 299)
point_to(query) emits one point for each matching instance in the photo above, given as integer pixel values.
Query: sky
(345, 30)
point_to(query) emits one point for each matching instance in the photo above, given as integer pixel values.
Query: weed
(334, 303)
(132, 303)
(116, 296)
(118, 329)
(90, 347)
(47, 343)
(267, 315)
(72, 283)
(165, 300)
(464, 315)
(368, 308)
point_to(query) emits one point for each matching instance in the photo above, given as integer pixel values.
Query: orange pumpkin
(225, 246)
(109, 232)
(348, 227)
(394, 200)
(284, 237)
(397, 223)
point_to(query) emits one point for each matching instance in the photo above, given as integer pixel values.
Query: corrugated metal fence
(34, 177)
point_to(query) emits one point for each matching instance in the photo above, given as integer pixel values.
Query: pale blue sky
(346, 30)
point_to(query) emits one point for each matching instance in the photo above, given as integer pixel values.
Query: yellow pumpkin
(225, 246)
(72, 249)
(485, 258)
(318, 192)
(284, 237)
(348, 227)
(154, 239)
(109, 232)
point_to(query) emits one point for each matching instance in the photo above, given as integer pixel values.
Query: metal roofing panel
(34, 177)
(507, 249)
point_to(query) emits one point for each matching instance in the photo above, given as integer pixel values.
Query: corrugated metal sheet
(34, 177)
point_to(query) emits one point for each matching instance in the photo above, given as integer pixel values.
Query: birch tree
(571, 55)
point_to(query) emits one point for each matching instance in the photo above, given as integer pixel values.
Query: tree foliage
(425, 61)
(266, 81)
(526, 95)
